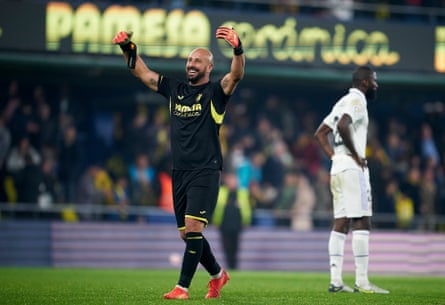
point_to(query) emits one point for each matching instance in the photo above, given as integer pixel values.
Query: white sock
(218, 275)
(336, 251)
(360, 249)
(183, 288)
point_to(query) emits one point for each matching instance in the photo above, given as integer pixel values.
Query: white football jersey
(353, 104)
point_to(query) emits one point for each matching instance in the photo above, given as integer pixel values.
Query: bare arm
(343, 128)
(321, 135)
(137, 65)
(147, 76)
(236, 74)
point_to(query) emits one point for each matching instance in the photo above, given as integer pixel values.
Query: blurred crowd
(425, 11)
(417, 11)
(56, 149)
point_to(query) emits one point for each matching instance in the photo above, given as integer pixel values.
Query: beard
(371, 94)
(196, 78)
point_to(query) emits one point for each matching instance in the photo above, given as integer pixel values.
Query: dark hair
(360, 74)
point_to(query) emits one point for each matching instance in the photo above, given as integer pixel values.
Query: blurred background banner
(86, 28)
(22, 26)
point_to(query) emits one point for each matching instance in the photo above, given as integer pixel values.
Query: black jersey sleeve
(165, 85)
(220, 99)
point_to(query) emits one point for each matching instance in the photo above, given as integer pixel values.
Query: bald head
(202, 53)
(199, 65)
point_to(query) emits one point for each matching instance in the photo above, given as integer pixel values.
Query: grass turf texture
(122, 286)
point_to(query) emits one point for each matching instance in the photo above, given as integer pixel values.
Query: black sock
(208, 259)
(192, 256)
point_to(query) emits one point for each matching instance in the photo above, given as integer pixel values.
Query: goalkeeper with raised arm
(197, 108)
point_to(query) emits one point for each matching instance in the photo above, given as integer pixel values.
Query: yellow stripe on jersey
(170, 106)
(218, 118)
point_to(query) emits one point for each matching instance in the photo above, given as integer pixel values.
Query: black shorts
(194, 194)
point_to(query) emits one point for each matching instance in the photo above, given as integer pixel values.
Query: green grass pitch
(46, 286)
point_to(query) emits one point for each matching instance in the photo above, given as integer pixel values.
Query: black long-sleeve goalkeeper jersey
(196, 115)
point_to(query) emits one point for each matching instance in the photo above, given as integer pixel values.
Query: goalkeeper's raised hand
(231, 36)
(123, 39)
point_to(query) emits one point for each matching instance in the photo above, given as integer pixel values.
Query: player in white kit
(342, 136)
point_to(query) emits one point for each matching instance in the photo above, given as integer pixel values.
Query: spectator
(165, 201)
(428, 193)
(275, 165)
(16, 159)
(5, 141)
(159, 136)
(25, 122)
(232, 214)
(143, 182)
(48, 126)
(71, 111)
(411, 186)
(4, 178)
(301, 219)
(404, 207)
(306, 154)
(95, 188)
(69, 164)
(440, 182)
(264, 194)
(136, 135)
(117, 133)
(265, 133)
(429, 149)
(387, 205)
(13, 102)
(121, 200)
(49, 188)
(286, 199)
(246, 162)
(29, 181)
(395, 150)
(323, 198)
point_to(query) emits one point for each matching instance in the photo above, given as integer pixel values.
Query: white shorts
(351, 192)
